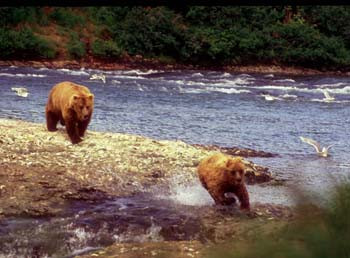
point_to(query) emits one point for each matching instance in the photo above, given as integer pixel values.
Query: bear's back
(212, 167)
(61, 92)
(70, 88)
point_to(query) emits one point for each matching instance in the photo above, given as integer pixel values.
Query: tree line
(308, 36)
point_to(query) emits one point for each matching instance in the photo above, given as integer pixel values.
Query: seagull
(98, 77)
(22, 92)
(328, 97)
(321, 152)
(269, 97)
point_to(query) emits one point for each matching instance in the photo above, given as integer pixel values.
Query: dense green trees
(23, 44)
(309, 36)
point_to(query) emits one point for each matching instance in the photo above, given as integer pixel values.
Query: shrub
(330, 20)
(16, 15)
(75, 47)
(317, 232)
(65, 17)
(106, 49)
(300, 44)
(153, 31)
(24, 44)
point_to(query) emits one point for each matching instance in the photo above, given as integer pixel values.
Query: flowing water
(263, 112)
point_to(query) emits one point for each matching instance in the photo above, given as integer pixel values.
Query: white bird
(101, 77)
(270, 97)
(328, 97)
(22, 92)
(321, 152)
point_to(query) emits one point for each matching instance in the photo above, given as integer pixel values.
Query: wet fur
(71, 104)
(221, 174)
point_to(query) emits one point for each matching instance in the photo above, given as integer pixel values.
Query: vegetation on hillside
(309, 36)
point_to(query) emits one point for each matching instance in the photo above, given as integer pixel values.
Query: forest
(305, 36)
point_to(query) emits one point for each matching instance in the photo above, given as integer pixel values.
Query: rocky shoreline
(138, 62)
(40, 170)
(41, 173)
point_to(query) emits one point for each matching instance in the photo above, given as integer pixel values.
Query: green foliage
(75, 47)
(66, 17)
(108, 15)
(233, 45)
(225, 17)
(15, 15)
(330, 20)
(299, 44)
(315, 36)
(317, 232)
(106, 49)
(150, 32)
(24, 44)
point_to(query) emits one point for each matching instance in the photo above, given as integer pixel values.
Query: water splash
(151, 234)
(184, 192)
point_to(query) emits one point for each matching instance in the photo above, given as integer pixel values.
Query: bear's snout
(86, 117)
(238, 178)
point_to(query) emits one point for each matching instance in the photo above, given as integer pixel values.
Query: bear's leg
(62, 121)
(230, 199)
(82, 127)
(219, 197)
(51, 121)
(242, 194)
(72, 131)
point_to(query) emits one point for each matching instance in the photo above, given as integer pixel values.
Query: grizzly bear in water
(72, 105)
(221, 174)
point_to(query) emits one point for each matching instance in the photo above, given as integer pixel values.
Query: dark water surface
(210, 107)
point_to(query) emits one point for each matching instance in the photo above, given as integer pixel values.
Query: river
(267, 112)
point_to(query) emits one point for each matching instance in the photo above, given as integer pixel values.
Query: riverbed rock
(178, 249)
(40, 170)
(139, 62)
(217, 227)
(235, 151)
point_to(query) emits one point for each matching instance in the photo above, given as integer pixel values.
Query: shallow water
(206, 107)
(84, 227)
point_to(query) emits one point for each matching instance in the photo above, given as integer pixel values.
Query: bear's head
(235, 170)
(82, 105)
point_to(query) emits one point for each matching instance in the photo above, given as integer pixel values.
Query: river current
(208, 107)
(267, 112)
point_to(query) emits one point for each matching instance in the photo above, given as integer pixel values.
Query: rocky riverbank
(40, 170)
(138, 62)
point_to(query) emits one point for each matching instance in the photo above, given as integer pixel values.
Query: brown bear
(221, 174)
(71, 104)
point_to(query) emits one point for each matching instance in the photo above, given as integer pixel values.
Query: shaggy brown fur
(221, 174)
(72, 105)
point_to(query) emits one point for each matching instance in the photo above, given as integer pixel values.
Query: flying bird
(22, 92)
(98, 77)
(321, 152)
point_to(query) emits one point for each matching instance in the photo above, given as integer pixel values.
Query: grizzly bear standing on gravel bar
(72, 105)
(221, 174)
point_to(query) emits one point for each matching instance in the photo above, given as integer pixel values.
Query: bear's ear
(91, 96)
(230, 163)
(240, 163)
(72, 99)
(75, 97)
(235, 162)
